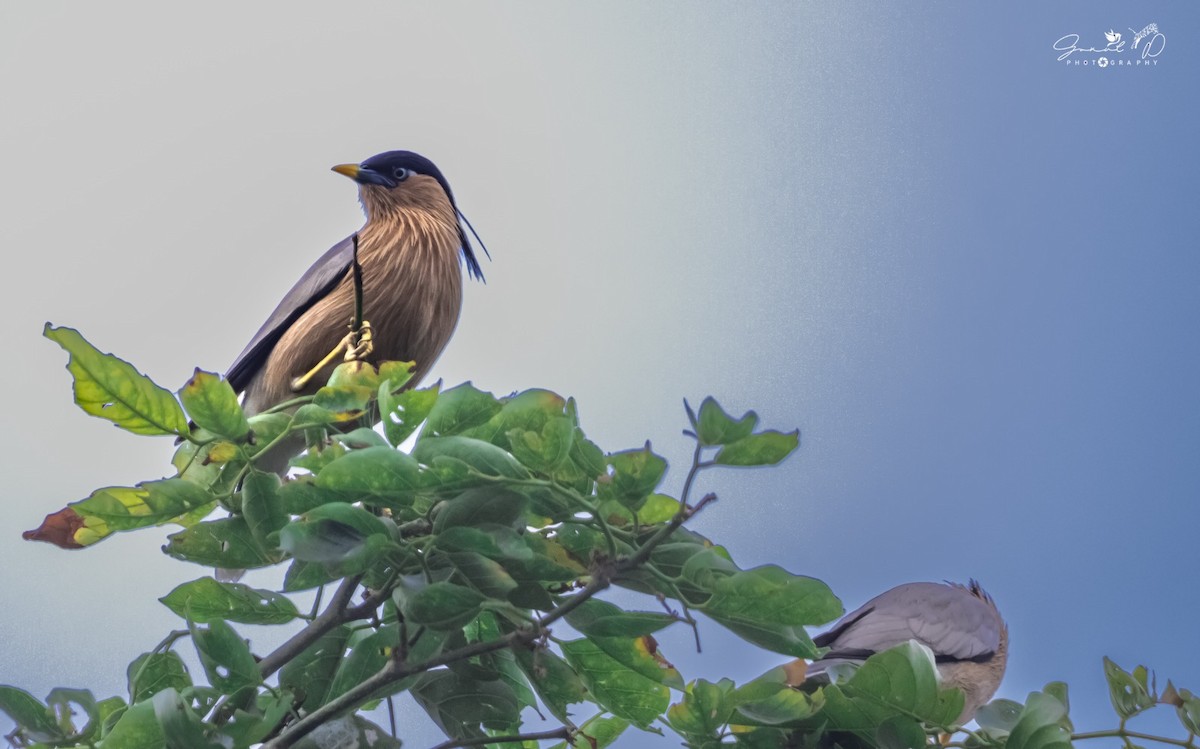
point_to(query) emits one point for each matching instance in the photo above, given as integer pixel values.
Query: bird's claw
(359, 344)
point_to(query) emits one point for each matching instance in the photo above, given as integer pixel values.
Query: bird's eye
(401, 173)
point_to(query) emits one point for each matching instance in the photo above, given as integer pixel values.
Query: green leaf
(369, 653)
(68, 703)
(900, 681)
(1040, 725)
(213, 405)
(225, 656)
(491, 540)
(459, 409)
(715, 427)
(640, 654)
(483, 457)
(546, 450)
(764, 448)
(310, 674)
(112, 389)
(34, 718)
(596, 618)
(267, 428)
(108, 712)
(588, 459)
(636, 473)
(354, 730)
(998, 717)
(253, 723)
(362, 438)
(399, 373)
(621, 690)
(150, 673)
(900, 732)
(331, 533)
(345, 403)
(460, 705)
(1129, 693)
(121, 508)
(201, 464)
(206, 600)
(403, 413)
(769, 701)
(181, 727)
(311, 415)
(484, 575)
(226, 543)
(137, 728)
(1059, 691)
(554, 680)
(705, 708)
(486, 628)
(659, 508)
(1187, 708)
(769, 606)
(527, 411)
(442, 606)
(599, 732)
(301, 495)
(482, 506)
(263, 508)
(302, 575)
(379, 476)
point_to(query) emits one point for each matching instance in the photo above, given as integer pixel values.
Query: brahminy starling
(409, 253)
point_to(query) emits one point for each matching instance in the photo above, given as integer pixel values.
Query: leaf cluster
(458, 552)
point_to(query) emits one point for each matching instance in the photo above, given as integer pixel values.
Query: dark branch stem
(396, 669)
(558, 733)
(339, 611)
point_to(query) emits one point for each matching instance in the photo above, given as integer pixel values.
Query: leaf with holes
(206, 600)
(110, 388)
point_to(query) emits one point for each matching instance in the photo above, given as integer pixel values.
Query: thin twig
(395, 670)
(1124, 733)
(338, 612)
(558, 733)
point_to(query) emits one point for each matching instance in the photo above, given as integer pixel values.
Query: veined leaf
(213, 405)
(206, 600)
(111, 388)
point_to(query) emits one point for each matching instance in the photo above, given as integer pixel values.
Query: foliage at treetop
(467, 572)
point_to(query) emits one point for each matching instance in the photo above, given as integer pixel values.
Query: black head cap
(386, 164)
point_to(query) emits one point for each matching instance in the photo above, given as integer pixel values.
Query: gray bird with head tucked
(409, 253)
(959, 623)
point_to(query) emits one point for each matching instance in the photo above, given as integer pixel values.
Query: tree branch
(559, 733)
(338, 612)
(395, 670)
(1123, 733)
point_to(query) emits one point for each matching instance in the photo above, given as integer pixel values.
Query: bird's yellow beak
(348, 170)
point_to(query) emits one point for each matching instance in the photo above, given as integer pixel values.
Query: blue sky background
(967, 272)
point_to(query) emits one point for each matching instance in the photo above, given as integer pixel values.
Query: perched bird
(408, 251)
(959, 623)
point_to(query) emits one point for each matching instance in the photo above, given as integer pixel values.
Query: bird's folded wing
(955, 626)
(316, 282)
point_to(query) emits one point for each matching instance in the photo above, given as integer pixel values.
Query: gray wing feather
(316, 282)
(947, 618)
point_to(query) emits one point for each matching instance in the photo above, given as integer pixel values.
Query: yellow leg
(298, 383)
(357, 345)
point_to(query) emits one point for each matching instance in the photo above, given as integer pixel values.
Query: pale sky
(966, 271)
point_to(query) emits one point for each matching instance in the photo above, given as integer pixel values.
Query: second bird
(409, 252)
